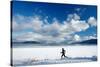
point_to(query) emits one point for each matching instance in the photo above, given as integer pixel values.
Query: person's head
(62, 48)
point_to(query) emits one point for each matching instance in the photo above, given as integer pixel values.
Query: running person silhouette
(63, 53)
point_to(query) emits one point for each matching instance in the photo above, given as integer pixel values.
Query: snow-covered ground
(51, 55)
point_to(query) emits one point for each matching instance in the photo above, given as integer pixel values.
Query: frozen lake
(51, 52)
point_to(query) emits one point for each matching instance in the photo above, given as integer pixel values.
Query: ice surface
(51, 55)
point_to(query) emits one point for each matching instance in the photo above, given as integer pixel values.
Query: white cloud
(73, 26)
(46, 20)
(92, 37)
(67, 28)
(51, 29)
(79, 25)
(37, 23)
(73, 16)
(54, 26)
(89, 37)
(21, 23)
(76, 16)
(14, 25)
(69, 17)
(25, 36)
(92, 21)
(28, 36)
(17, 27)
(77, 37)
(50, 32)
(82, 38)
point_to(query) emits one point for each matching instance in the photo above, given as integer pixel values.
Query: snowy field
(40, 55)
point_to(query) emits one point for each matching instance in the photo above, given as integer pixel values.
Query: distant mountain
(91, 41)
(27, 42)
(87, 42)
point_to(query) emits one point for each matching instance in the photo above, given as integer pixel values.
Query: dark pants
(63, 55)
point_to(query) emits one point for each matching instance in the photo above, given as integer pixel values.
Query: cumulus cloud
(37, 23)
(21, 23)
(77, 37)
(79, 25)
(92, 21)
(82, 38)
(54, 26)
(28, 36)
(74, 26)
(67, 28)
(52, 29)
(76, 16)
(14, 25)
(42, 30)
(73, 16)
(69, 17)
(89, 37)
(17, 27)
(31, 36)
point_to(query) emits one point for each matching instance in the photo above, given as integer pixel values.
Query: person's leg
(64, 55)
(61, 56)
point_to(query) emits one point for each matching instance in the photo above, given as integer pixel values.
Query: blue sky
(53, 22)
